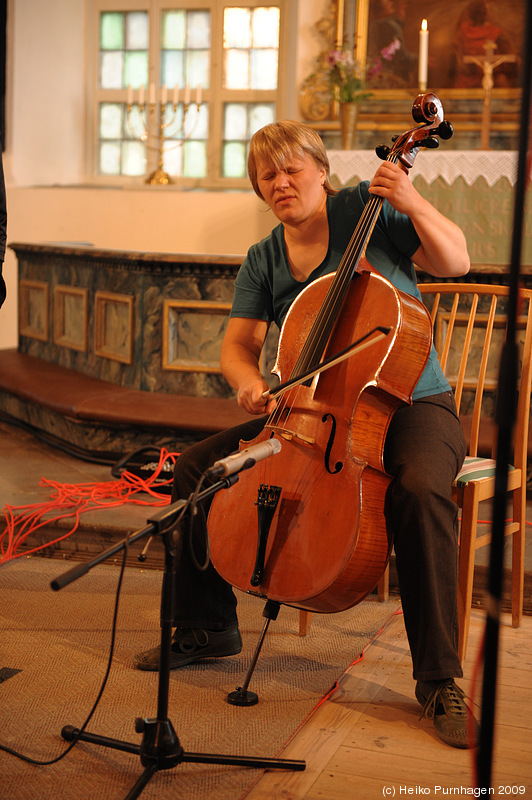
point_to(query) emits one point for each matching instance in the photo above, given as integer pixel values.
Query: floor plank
(367, 741)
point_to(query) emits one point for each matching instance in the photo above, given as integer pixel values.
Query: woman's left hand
(391, 182)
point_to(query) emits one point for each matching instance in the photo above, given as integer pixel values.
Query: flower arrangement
(346, 76)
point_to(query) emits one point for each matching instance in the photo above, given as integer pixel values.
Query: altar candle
(423, 55)
(164, 94)
(129, 95)
(175, 95)
(141, 95)
(152, 94)
(187, 94)
(198, 95)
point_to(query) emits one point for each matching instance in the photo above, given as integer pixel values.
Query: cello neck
(329, 312)
(427, 109)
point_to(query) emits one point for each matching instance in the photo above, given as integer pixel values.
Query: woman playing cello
(425, 447)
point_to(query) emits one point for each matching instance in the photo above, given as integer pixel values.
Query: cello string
(330, 308)
(328, 313)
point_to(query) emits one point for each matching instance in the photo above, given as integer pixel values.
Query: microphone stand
(504, 416)
(160, 747)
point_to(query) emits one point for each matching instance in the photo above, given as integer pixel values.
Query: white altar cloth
(431, 165)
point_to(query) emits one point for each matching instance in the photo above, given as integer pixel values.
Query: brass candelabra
(156, 135)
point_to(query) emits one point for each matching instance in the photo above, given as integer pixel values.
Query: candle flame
(424, 25)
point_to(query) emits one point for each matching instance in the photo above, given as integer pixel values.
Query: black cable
(29, 760)
(108, 460)
(194, 510)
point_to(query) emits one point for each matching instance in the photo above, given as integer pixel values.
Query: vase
(348, 124)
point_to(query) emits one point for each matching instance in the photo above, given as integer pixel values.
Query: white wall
(48, 196)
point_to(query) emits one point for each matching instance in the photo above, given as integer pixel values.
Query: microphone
(244, 459)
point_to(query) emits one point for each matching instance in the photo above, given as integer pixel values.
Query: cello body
(325, 544)
(307, 527)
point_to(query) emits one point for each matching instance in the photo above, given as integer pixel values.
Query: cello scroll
(427, 110)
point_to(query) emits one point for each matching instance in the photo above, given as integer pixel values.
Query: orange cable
(72, 500)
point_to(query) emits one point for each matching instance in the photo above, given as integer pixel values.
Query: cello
(308, 528)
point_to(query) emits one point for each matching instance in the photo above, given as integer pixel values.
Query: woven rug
(54, 648)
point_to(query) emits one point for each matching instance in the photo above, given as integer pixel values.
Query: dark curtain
(3, 18)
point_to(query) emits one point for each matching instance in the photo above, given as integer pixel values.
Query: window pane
(194, 159)
(111, 70)
(199, 121)
(174, 26)
(134, 123)
(172, 160)
(235, 121)
(137, 30)
(133, 158)
(260, 114)
(110, 158)
(199, 30)
(241, 120)
(234, 160)
(135, 69)
(111, 31)
(237, 27)
(198, 68)
(236, 69)
(172, 73)
(263, 72)
(110, 120)
(265, 27)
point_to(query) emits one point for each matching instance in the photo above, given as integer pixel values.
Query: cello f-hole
(339, 464)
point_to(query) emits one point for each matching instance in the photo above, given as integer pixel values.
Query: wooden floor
(366, 741)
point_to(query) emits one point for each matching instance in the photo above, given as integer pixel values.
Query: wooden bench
(86, 402)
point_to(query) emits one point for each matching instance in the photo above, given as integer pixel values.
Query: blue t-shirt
(265, 287)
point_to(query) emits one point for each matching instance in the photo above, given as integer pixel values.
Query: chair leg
(466, 564)
(305, 618)
(518, 554)
(383, 586)
(383, 593)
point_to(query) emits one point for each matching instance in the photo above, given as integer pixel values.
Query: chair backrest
(469, 322)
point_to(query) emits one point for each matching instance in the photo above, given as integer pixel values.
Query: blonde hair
(278, 142)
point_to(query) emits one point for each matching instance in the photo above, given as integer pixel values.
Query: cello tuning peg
(382, 151)
(445, 129)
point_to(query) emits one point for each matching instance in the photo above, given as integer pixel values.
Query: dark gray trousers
(424, 450)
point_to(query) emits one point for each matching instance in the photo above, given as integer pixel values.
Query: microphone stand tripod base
(241, 697)
(160, 747)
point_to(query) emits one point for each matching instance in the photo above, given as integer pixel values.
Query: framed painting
(461, 38)
(193, 331)
(461, 35)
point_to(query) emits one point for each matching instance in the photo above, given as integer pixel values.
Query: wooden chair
(469, 330)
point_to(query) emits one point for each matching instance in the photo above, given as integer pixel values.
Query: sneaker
(453, 720)
(190, 645)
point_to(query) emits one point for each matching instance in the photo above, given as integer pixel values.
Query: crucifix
(488, 64)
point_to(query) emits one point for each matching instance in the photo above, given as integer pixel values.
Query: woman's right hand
(251, 398)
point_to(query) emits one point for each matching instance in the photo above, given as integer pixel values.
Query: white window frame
(215, 96)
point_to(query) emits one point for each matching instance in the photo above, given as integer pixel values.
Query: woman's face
(294, 192)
